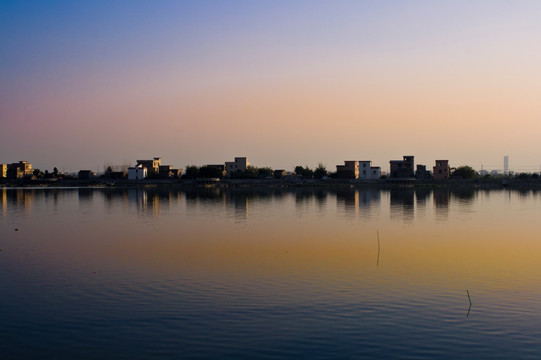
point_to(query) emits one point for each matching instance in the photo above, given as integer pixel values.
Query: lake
(270, 273)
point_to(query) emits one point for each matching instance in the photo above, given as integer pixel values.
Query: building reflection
(402, 204)
(369, 200)
(405, 204)
(441, 203)
(152, 201)
(86, 195)
(4, 199)
(421, 197)
(17, 200)
(239, 203)
(358, 202)
(148, 201)
(23, 200)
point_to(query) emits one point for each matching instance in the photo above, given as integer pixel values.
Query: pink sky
(283, 83)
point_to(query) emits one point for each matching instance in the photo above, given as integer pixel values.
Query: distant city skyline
(284, 83)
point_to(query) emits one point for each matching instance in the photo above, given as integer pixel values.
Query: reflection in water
(441, 203)
(358, 203)
(422, 195)
(351, 202)
(85, 195)
(402, 204)
(277, 273)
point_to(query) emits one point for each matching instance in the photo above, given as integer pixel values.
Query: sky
(284, 83)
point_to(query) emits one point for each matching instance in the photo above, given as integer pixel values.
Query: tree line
(251, 172)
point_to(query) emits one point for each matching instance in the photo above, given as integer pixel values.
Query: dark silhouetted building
(85, 174)
(402, 168)
(350, 170)
(422, 173)
(19, 170)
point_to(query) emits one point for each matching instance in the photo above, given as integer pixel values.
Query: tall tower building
(506, 164)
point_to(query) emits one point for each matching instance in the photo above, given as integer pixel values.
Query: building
(376, 172)
(3, 171)
(422, 173)
(153, 166)
(19, 170)
(240, 163)
(139, 172)
(368, 172)
(402, 168)
(364, 170)
(85, 174)
(506, 165)
(441, 170)
(350, 170)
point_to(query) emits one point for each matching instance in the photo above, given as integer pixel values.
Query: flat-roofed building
(375, 172)
(85, 174)
(152, 166)
(19, 170)
(367, 171)
(422, 172)
(402, 168)
(350, 170)
(240, 163)
(138, 172)
(441, 170)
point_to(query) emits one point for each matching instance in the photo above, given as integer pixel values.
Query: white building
(138, 172)
(368, 172)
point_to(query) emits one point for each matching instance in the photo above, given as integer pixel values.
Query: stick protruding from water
(377, 263)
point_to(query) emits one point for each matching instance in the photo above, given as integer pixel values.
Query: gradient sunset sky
(285, 83)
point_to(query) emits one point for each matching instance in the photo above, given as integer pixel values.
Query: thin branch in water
(469, 299)
(377, 263)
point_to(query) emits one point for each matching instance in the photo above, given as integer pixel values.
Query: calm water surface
(319, 274)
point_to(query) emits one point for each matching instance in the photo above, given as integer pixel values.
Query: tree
(108, 172)
(464, 172)
(192, 172)
(38, 173)
(55, 172)
(210, 172)
(320, 171)
(304, 172)
(264, 172)
(251, 172)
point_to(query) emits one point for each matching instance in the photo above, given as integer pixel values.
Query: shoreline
(278, 183)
